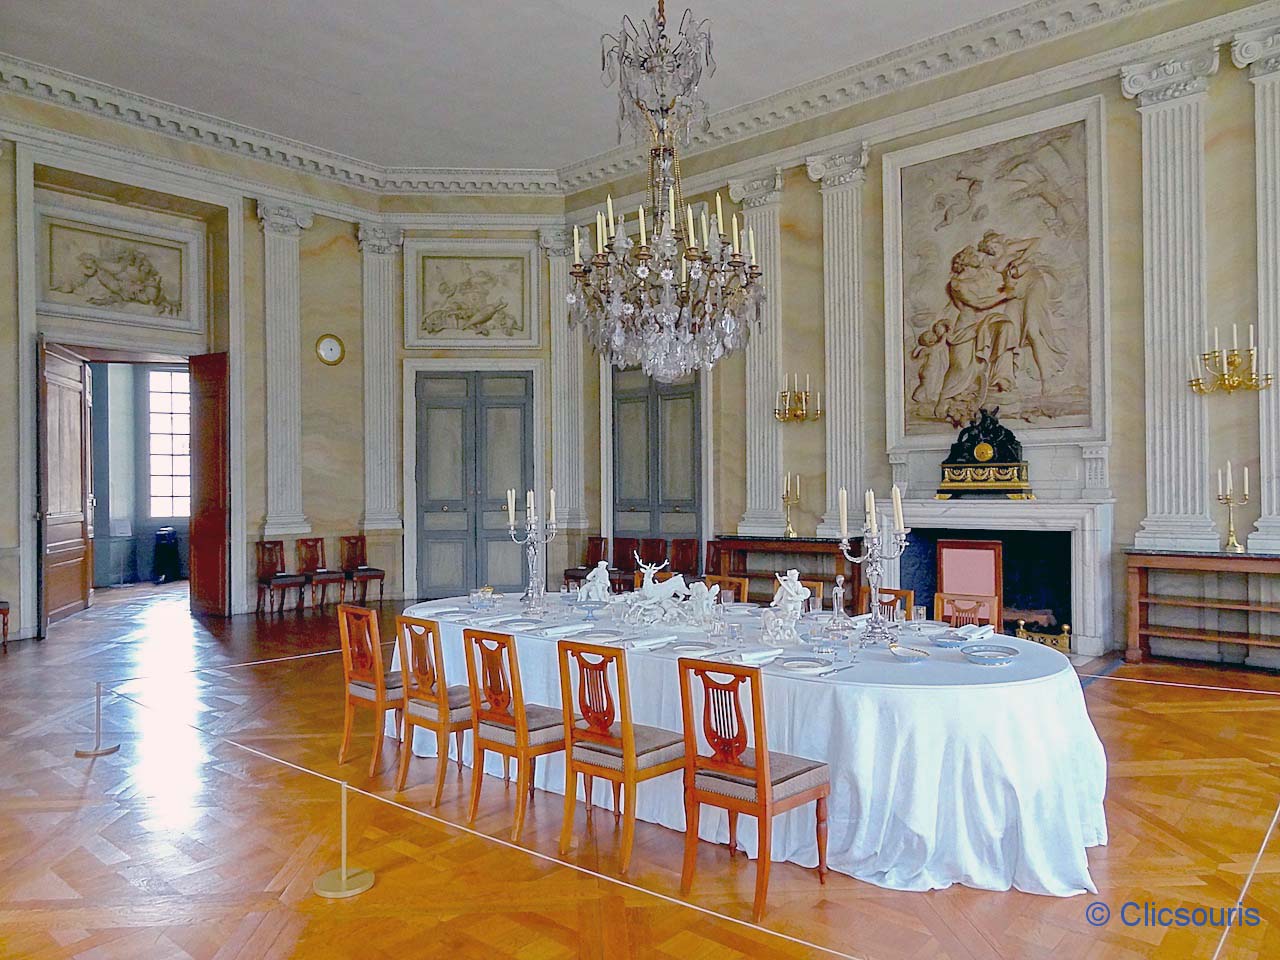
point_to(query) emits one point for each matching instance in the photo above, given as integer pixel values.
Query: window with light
(169, 431)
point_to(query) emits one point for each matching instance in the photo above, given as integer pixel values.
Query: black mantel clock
(985, 461)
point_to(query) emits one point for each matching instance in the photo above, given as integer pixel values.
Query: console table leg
(1138, 643)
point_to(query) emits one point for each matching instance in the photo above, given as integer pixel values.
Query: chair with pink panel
(973, 568)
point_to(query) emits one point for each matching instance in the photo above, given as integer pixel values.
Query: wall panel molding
(379, 255)
(568, 442)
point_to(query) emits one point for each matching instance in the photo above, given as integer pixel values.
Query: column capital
(555, 241)
(279, 217)
(1259, 50)
(379, 238)
(1176, 75)
(842, 168)
(758, 189)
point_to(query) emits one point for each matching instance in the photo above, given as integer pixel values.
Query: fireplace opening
(1036, 569)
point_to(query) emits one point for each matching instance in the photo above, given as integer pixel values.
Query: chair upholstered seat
(546, 725)
(365, 573)
(790, 775)
(366, 690)
(325, 576)
(284, 579)
(459, 706)
(654, 746)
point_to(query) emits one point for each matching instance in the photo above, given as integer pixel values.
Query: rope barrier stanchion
(343, 882)
(98, 749)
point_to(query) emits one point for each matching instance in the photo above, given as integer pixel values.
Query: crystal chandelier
(672, 300)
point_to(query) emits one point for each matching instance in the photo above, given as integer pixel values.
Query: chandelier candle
(636, 307)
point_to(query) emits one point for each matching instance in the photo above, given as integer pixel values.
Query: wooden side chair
(737, 586)
(430, 702)
(964, 609)
(624, 551)
(355, 566)
(368, 684)
(684, 556)
(272, 578)
(4, 618)
(653, 549)
(894, 604)
(500, 719)
(659, 577)
(738, 777)
(604, 741)
(311, 565)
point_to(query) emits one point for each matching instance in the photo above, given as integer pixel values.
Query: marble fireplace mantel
(1088, 521)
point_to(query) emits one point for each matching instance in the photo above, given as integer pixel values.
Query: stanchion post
(98, 749)
(343, 882)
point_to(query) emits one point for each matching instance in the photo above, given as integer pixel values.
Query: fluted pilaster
(282, 225)
(567, 436)
(842, 176)
(1259, 50)
(379, 251)
(761, 199)
(1171, 98)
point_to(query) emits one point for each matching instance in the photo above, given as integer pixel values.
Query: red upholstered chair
(355, 565)
(595, 552)
(624, 551)
(272, 578)
(684, 557)
(740, 774)
(368, 684)
(311, 565)
(653, 549)
(4, 616)
(974, 568)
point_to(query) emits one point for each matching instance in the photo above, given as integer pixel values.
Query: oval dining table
(942, 771)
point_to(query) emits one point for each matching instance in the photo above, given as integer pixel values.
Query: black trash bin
(166, 565)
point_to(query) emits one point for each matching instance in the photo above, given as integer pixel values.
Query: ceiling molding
(89, 96)
(997, 36)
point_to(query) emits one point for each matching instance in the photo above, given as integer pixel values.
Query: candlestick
(706, 237)
(875, 553)
(1228, 478)
(751, 237)
(643, 240)
(898, 524)
(608, 200)
(551, 516)
(719, 215)
(577, 245)
(844, 514)
(511, 507)
(536, 536)
(733, 233)
(689, 239)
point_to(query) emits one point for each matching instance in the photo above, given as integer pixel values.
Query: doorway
(133, 477)
(657, 456)
(474, 441)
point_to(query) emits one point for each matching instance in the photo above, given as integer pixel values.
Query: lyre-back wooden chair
(604, 741)
(500, 719)
(738, 586)
(817, 588)
(741, 775)
(894, 604)
(368, 684)
(273, 579)
(311, 566)
(354, 554)
(430, 702)
(964, 609)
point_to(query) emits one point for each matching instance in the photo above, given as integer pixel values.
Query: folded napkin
(565, 630)
(973, 631)
(648, 643)
(756, 656)
(436, 611)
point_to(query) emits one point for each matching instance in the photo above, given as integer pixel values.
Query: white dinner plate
(692, 646)
(805, 664)
(743, 610)
(511, 626)
(989, 654)
(600, 636)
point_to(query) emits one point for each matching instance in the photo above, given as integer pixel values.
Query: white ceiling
(481, 83)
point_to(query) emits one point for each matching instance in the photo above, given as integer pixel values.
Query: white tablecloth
(942, 771)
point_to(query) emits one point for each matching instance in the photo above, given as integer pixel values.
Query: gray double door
(475, 441)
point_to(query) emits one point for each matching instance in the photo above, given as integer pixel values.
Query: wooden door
(210, 555)
(65, 482)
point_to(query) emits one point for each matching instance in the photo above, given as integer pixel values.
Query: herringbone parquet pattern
(183, 845)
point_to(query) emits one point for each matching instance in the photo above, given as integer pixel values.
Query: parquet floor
(186, 845)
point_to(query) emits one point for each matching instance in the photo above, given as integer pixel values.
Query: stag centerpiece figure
(657, 601)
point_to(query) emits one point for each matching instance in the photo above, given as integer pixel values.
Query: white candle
(1246, 483)
(797, 486)
(599, 233)
(706, 235)
(751, 237)
(1252, 345)
(608, 200)
(806, 383)
(898, 523)
(733, 234)
(689, 239)
(844, 514)
(552, 517)
(577, 245)
(1228, 478)
(684, 270)
(1219, 481)
(719, 215)
(671, 207)
(643, 239)
(528, 503)
(873, 523)
(1235, 339)
(1217, 347)
(511, 507)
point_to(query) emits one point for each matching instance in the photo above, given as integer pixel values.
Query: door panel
(65, 482)
(209, 553)
(504, 460)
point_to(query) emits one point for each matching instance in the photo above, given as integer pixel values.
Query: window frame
(148, 476)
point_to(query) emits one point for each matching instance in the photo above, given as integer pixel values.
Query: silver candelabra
(536, 535)
(872, 563)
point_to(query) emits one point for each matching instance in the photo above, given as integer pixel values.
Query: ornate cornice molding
(1180, 74)
(555, 241)
(1259, 50)
(757, 190)
(100, 99)
(285, 219)
(840, 168)
(996, 36)
(379, 238)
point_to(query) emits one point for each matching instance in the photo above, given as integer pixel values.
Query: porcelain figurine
(596, 587)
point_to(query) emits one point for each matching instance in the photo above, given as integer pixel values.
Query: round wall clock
(330, 349)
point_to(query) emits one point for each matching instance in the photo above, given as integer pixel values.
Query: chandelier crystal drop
(672, 299)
